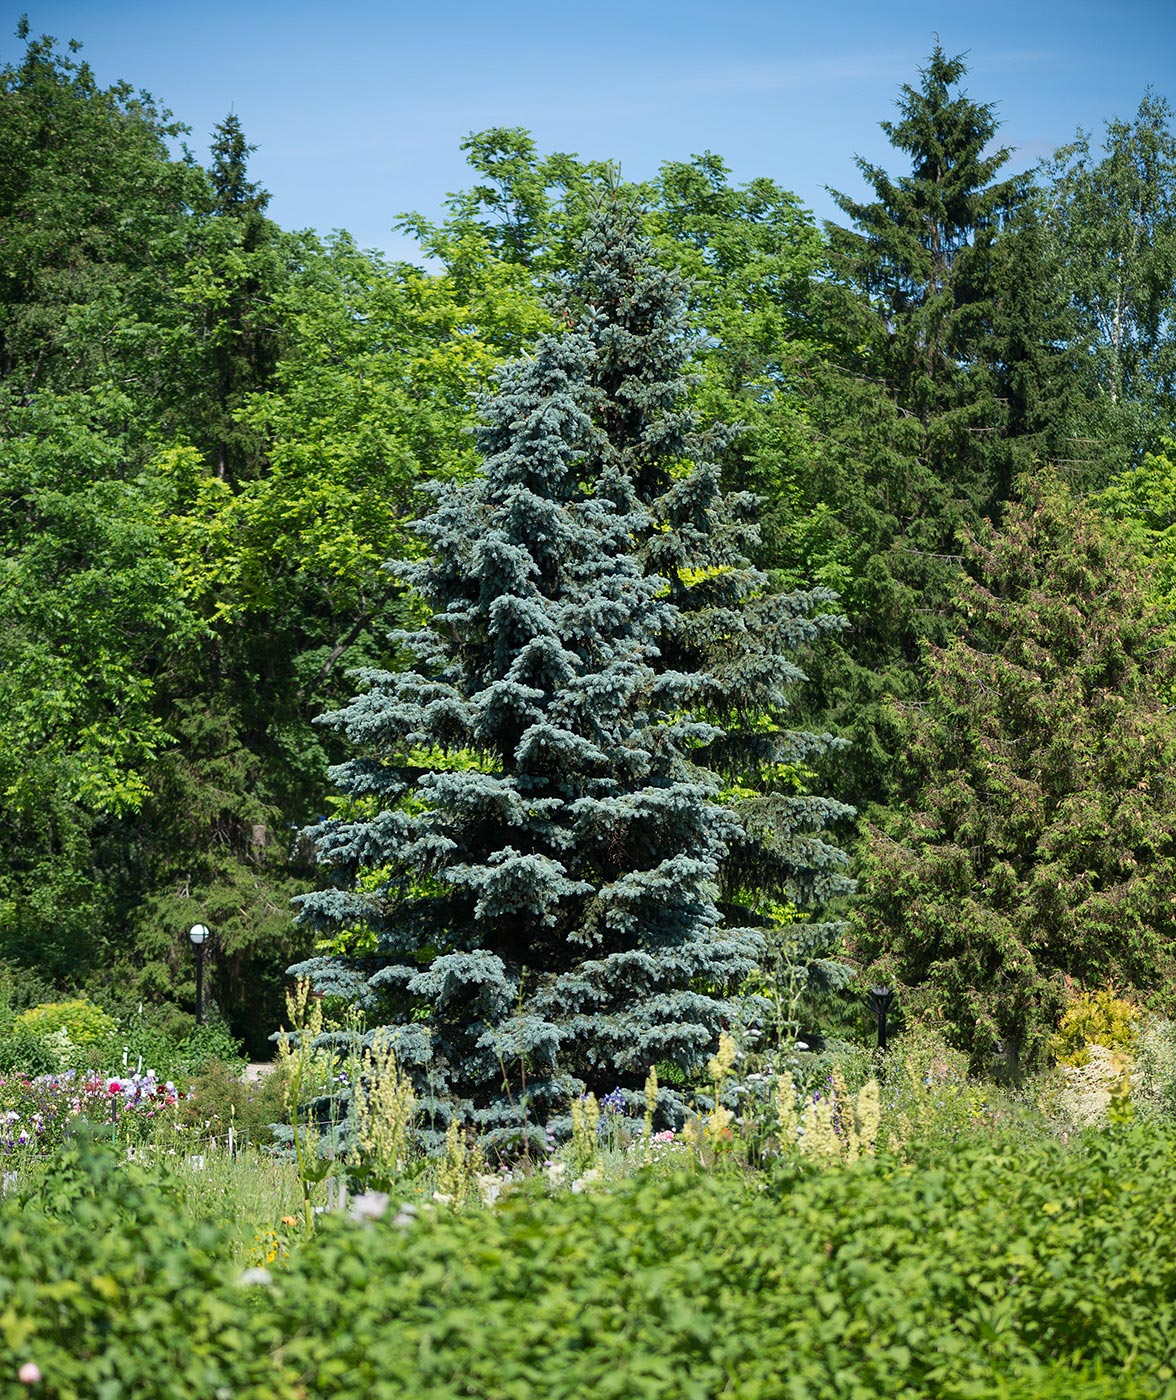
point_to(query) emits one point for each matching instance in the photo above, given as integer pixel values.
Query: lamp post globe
(199, 935)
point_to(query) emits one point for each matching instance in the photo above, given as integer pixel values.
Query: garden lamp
(880, 999)
(199, 935)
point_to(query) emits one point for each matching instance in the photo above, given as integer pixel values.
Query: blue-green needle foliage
(539, 837)
(728, 647)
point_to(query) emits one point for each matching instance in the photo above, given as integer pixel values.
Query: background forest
(955, 408)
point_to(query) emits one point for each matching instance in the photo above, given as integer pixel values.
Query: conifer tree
(548, 905)
(919, 263)
(951, 372)
(1038, 846)
(731, 642)
(235, 193)
(241, 264)
(543, 904)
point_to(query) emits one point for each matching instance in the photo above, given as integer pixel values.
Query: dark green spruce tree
(950, 329)
(240, 263)
(536, 837)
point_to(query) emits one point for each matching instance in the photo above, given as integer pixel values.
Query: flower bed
(38, 1113)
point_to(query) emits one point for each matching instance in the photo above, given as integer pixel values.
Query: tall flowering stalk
(650, 1110)
(383, 1106)
(301, 1066)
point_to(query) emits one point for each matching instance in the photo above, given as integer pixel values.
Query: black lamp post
(880, 999)
(199, 935)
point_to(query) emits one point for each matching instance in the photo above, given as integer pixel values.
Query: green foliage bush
(170, 1056)
(83, 1022)
(994, 1271)
(946, 1278)
(97, 1043)
(26, 1053)
(108, 1290)
(206, 1045)
(219, 1099)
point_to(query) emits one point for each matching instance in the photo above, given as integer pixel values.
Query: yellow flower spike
(650, 1109)
(720, 1066)
(869, 1114)
(787, 1118)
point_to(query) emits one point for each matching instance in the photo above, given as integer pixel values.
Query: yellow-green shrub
(1095, 1018)
(81, 1020)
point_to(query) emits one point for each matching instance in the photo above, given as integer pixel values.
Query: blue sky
(357, 107)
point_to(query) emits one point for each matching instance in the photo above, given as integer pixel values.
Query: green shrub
(153, 1046)
(83, 1022)
(206, 1045)
(220, 1098)
(109, 1291)
(987, 1271)
(173, 1057)
(127, 1005)
(24, 1053)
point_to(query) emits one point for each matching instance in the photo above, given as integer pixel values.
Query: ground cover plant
(991, 1266)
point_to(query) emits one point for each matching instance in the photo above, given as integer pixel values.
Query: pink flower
(29, 1373)
(114, 1087)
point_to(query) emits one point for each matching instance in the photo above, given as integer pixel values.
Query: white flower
(589, 1179)
(368, 1205)
(256, 1278)
(490, 1186)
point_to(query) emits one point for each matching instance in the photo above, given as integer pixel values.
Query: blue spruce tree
(539, 842)
(728, 643)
